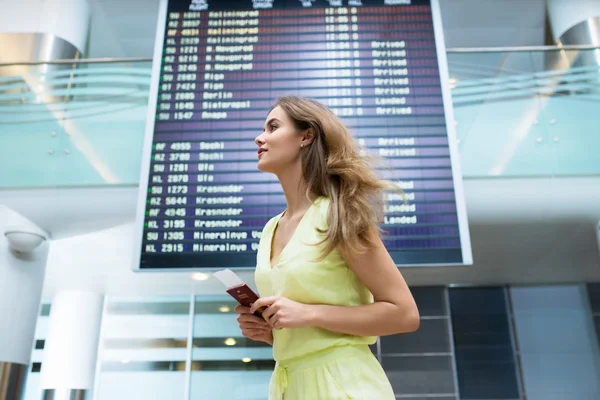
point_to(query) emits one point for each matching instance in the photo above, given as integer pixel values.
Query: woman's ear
(308, 137)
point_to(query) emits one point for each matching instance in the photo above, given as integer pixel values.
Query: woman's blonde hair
(334, 166)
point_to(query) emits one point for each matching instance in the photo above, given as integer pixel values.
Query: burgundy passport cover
(245, 296)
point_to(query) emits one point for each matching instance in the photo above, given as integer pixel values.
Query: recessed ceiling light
(200, 276)
(246, 360)
(224, 309)
(230, 342)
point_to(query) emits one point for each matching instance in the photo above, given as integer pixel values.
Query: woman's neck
(294, 189)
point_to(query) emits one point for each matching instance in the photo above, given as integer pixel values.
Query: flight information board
(219, 66)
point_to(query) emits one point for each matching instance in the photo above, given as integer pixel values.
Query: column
(69, 361)
(43, 30)
(38, 31)
(21, 281)
(576, 22)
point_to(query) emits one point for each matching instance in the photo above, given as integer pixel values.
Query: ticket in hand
(238, 289)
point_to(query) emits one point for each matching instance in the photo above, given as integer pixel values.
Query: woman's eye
(273, 127)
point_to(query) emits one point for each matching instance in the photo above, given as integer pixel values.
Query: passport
(238, 289)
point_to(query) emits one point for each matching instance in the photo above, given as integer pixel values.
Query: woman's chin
(262, 166)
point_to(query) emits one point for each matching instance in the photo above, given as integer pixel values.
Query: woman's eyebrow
(272, 120)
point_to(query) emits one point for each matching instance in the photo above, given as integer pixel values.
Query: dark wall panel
(420, 363)
(483, 346)
(594, 295)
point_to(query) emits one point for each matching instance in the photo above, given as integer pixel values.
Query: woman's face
(279, 143)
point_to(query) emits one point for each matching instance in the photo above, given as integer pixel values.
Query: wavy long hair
(335, 166)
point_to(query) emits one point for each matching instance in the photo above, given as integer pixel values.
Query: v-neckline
(274, 263)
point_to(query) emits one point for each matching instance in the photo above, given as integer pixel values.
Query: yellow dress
(314, 363)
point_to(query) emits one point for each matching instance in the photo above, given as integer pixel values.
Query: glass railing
(63, 125)
(527, 113)
(518, 113)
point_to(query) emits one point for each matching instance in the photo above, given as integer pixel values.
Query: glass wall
(226, 365)
(523, 104)
(73, 124)
(143, 349)
(535, 343)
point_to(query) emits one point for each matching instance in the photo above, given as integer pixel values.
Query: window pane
(144, 348)
(226, 365)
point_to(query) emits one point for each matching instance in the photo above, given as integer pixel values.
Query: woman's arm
(394, 310)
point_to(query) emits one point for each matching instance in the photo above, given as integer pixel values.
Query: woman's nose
(259, 140)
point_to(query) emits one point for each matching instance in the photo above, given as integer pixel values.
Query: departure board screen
(219, 66)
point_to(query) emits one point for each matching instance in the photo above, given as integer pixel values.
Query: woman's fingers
(250, 325)
(251, 332)
(251, 319)
(256, 334)
(242, 310)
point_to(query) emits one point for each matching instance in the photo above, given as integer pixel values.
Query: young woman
(329, 284)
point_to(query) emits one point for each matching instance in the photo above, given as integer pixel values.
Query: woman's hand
(284, 313)
(253, 327)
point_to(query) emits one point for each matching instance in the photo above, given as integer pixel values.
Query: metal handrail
(452, 50)
(516, 49)
(107, 60)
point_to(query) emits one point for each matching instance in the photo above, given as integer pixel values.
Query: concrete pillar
(71, 348)
(43, 30)
(576, 23)
(21, 281)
